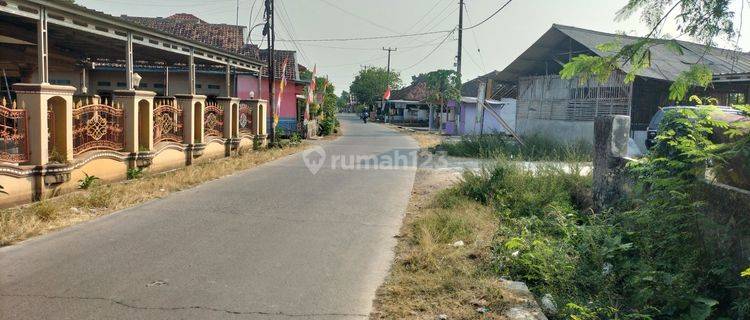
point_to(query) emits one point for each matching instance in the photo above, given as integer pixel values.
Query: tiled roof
(223, 36)
(292, 73)
(417, 91)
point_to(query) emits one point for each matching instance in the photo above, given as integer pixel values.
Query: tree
(343, 100)
(442, 86)
(370, 85)
(703, 20)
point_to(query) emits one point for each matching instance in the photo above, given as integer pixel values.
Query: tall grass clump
(535, 148)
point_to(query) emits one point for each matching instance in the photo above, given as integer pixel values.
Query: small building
(470, 124)
(408, 106)
(565, 109)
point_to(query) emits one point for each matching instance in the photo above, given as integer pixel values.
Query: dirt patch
(425, 139)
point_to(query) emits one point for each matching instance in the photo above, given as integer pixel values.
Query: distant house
(407, 105)
(566, 109)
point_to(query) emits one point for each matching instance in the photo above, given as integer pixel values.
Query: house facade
(565, 109)
(246, 85)
(90, 93)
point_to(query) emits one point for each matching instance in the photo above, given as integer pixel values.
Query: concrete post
(193, 107)
(37, 99)
(139, 113)
(231, 108)
(259, 108)
(610, 149)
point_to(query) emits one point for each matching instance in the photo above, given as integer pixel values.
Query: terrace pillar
(193, 107)
(139, 109)
(129, 62)
(42, 47)
(50, 111)
(228, 81)
(191, 72)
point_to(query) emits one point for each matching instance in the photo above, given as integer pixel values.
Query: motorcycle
(364, 117)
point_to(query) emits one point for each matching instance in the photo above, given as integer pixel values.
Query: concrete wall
(469, 125)
(562, 130)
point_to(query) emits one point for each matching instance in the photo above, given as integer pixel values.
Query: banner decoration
(282, 86)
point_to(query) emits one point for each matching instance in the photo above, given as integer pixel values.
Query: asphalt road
(274, 242)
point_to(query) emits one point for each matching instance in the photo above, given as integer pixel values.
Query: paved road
(275, 242)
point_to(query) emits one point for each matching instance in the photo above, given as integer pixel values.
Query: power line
(291, 33)
(431, 52)
(369, 38)
(476, 42)
(490, 17)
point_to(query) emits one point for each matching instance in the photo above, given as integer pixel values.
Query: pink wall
(247, 84)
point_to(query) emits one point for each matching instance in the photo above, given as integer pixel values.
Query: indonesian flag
(387, 94)
(282, 86)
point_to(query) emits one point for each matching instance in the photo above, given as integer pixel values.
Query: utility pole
(388, 74)
(460, 38)
(237, 23)
(389, 49)
(271, 35)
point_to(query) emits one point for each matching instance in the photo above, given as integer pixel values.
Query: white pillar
(42, 46)
(191, 72)
(129, 62)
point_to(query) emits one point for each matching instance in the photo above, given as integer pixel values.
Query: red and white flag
(282, 86)
(387, 94)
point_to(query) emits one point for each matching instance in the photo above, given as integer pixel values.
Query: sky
(490, 46)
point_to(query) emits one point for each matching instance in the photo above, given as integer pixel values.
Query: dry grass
(430, 276)
(23, 222)
(426, 140)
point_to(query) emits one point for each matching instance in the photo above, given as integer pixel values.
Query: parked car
(653, 126)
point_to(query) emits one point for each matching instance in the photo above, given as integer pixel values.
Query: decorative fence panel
(14, 146)
(168, 121)
(246, 119)
(213, 120)
(97, 126)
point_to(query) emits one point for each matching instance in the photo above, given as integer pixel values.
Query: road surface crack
(234, 312)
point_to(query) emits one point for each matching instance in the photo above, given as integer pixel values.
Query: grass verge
(23, 222)
(431, 274)
(535, 148)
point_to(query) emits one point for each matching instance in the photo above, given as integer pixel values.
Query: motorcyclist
(365, 115)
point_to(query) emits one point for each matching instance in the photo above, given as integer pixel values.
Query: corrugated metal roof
(666, 64)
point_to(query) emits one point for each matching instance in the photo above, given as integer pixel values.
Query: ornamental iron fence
(168, 121)
(213, 120)
(14, 147)
(97, 125)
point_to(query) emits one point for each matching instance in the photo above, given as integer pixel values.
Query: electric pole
(237, 23)
(389, 49)
(460, 38)
(271, 35)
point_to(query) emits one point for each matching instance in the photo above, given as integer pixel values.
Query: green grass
(535, 148)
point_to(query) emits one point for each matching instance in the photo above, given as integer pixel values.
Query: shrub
(87, 181)
(295, 138)
(328, 126)
(134, 173)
